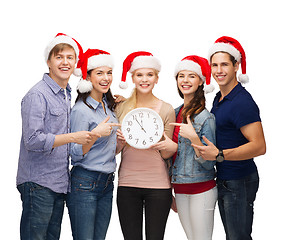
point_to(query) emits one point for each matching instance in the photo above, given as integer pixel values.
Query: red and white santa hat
(198, 65)
(137, 60)
(91, 59)
(234, 48)
(63, 38)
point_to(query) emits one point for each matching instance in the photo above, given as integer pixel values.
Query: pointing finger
(114, 124)
(176, 124)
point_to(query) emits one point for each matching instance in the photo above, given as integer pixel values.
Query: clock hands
(140, 125)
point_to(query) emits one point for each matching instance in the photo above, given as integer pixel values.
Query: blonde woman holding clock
(143, 174)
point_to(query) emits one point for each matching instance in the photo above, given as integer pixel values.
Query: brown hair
(196, 105)
(58, 48)
(232, 59)
(109, 97)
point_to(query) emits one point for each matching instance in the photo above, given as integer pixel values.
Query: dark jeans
(90, 203)
(236, 205)
(42, 212)
(156, 204)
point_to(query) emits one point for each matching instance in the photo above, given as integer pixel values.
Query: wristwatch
(220, 156)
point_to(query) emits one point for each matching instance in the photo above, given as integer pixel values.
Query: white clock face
(142, 127)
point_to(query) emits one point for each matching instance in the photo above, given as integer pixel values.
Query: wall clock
(142, 127)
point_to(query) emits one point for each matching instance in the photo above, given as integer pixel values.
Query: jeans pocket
(231, 186)
(82, 185)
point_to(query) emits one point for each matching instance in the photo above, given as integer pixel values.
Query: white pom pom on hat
(137, 60)
(234, 48)
(84, 86)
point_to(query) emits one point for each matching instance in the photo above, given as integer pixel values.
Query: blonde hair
(129, 104)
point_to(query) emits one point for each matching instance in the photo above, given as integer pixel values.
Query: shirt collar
(95, 104)
(233, 92)
(53, 85)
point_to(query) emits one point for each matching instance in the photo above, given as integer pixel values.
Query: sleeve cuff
(50, 139)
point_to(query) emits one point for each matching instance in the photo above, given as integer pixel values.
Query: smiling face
(101, 79)
(145, 79)
(61, 65)
(223, 70)
(188, 82)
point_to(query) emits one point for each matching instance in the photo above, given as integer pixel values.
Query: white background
(170, 30)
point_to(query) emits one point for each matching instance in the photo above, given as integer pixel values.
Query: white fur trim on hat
(61, 39)
(145, 62)
(189, 66)
(225, 47)
(84, 86)
(99, 61)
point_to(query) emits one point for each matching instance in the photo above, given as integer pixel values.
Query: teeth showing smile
(186, 86)
(64, 69)
(104, 84)
(144, 85)
(220, 77)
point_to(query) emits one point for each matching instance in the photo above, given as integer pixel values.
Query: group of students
(194, 142)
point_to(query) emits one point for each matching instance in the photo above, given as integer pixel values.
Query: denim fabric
(187, 168)
(236, 205)
(90, 203)
(42, 212)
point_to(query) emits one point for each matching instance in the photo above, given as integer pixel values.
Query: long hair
(196, 105)
(130, 103)
(109, 98)
(126, 106)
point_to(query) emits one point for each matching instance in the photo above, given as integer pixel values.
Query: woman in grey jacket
(193, 177)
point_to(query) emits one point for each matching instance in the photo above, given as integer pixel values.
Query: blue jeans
(90, 203)
(236, 205)
(42, 212)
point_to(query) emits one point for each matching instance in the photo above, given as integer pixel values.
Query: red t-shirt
(189, 188)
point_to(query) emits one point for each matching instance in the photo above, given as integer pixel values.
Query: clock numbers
(142, 127)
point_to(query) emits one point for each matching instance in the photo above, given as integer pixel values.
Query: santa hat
(198, 65)
(234, 48)
(136, 61)
(91, 59)
(63, 38)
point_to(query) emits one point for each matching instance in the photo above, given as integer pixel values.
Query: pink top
(146, 168)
